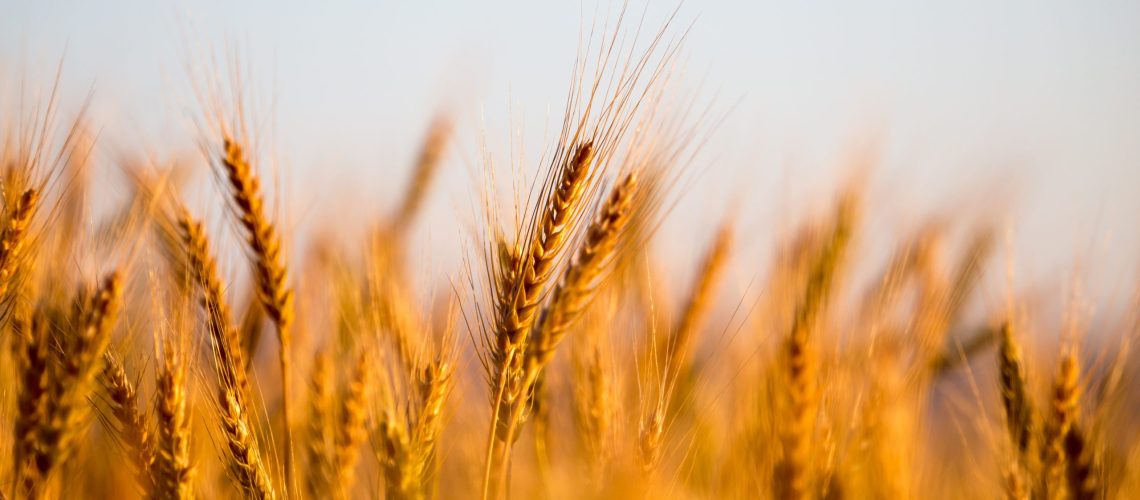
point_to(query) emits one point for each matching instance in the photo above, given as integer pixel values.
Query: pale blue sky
(1039, 100)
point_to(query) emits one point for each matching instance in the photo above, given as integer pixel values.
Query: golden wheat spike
(130, 423)
(1064, 406)
(224, 340)
(581, 279)
(1014, 394)
(793, 475)
(246, 465)
(425, 169)
(173, 469)
(519, 300)
(318, 474)
(594, 404)
(12, 240)
(78, 360)
(32, 400)
(270, 272)
(683, 340)
(350, 430)
(435, 387)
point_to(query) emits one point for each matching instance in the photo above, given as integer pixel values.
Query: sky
(1025, 111)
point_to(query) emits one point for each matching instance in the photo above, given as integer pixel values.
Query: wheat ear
(223, 337)
(1017, 406)
(435, 386)
(80, 356)
(426, 165)
(519, 300)
(1079, 473)
(594, 404)
(1063, 410)
(395, 457)
(245, 463)
(582, 278)
(12, 240)
(270, 273)
(130, 423)
(351, 431)
(319, 472)
(173, 471)
(697, 306)
(32, 401)
(793, 473)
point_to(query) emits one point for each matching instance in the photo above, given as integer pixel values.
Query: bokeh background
(1024, 112)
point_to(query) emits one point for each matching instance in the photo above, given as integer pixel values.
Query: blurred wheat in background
(168, 339)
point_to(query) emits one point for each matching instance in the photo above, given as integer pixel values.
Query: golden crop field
(168, 332)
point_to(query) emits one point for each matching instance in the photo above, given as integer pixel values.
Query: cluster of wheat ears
(558, 362)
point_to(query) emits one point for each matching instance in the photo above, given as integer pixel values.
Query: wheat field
(159, 342)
